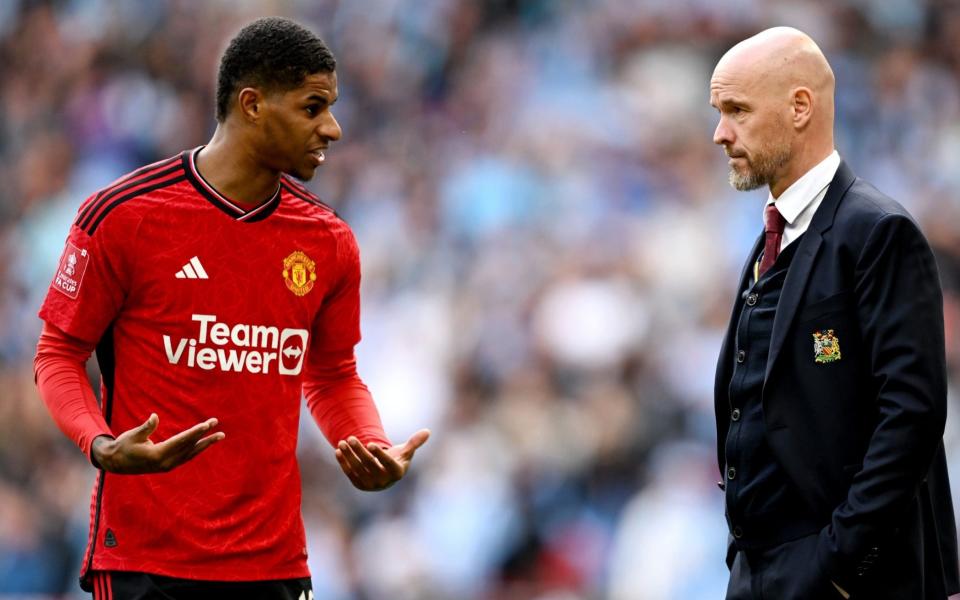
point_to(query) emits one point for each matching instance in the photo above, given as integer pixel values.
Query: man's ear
(251, 102)
(802, 107)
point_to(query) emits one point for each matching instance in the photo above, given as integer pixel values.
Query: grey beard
(762, 173)
(746, 182)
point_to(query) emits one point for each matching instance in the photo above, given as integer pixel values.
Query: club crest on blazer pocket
(826, 346)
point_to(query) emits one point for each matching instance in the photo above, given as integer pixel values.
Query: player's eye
(312, 110)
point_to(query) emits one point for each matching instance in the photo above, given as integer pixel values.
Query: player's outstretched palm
(133, 452)
(373, 467)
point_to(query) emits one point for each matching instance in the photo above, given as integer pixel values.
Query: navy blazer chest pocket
(831, 306)
(826, 335)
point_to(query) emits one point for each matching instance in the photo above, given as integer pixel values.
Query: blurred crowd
(550, 249)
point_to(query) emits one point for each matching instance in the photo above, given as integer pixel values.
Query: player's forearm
(63, 385)
(340, 402)
(348, 410)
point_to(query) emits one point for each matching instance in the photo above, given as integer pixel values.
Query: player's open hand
(373, 467)
(133, 451)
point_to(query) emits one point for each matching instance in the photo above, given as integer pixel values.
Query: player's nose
(330, 129)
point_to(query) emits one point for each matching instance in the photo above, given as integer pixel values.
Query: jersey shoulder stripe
(105, 202)
(298, 191)
(145, 171)
(140, 191)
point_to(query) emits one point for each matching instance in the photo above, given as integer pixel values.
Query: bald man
(830, 390)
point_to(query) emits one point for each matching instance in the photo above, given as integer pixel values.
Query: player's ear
(250, 101)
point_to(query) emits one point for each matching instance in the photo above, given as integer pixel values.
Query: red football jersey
(202, 309)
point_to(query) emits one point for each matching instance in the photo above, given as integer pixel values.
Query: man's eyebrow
(318, 98)
(734, 100)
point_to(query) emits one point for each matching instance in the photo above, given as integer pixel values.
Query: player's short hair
(273, 54)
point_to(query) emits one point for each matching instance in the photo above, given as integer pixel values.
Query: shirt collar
(796, 198)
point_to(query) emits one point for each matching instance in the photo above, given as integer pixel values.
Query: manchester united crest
(299, 273)
(826, 347)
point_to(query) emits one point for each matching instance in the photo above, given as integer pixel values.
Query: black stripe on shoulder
(83, 221)
(297, 185)
(130, 196)
(126, 178)
(307, 197)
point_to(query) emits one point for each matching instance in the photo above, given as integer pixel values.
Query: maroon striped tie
(773, 223)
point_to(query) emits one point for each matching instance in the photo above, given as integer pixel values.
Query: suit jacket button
(741, 356)
(735, 415)
(737, 532)
(752, 299)
(731, 473)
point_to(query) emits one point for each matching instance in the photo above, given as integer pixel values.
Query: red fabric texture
(339, 401)
(63, 385)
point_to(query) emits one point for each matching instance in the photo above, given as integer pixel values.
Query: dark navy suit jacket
(861, 436)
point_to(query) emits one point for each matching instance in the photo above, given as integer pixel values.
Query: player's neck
(234, 172)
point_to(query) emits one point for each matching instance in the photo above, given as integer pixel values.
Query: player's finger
(356, 465)
(205, 443)
(349, 471)
(143, 432)
(413, 444)
(390, 464)
(381, 476)
(369, 460)
(344, 464)
(186, 439)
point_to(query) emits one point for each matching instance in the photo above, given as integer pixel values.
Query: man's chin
(744, 182)
(302, 173)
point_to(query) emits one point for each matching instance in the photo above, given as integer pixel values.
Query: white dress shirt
(800, 201)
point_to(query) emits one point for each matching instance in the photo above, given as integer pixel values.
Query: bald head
(779, 59)
(777, 90)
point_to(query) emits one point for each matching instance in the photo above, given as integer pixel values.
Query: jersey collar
(256, 213)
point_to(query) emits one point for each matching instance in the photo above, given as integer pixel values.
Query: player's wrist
(102, 450)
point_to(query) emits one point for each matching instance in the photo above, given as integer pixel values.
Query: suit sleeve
(337, 398)
(900, 313)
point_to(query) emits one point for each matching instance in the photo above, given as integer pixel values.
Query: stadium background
(549, 248)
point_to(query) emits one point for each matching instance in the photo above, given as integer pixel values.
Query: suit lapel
(802, 266)
(797, 276)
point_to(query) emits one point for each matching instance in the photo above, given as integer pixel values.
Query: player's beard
(762, 168)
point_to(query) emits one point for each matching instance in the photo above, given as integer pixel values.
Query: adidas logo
(192, 270)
